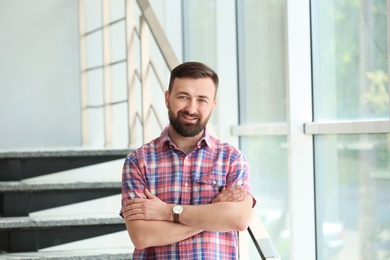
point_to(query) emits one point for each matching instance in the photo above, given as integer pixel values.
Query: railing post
(145, 79)
(132, 103)
(83, 75)
(107, 74)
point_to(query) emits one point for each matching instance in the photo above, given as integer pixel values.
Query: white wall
(39, 74)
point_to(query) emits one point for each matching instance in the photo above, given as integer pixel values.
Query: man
(186, 194)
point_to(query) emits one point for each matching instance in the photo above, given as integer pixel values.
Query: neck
(187, 144)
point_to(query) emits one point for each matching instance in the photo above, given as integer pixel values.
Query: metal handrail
(158, 33)
(261, 239)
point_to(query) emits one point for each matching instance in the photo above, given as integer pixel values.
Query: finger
(237, 190)
(148, 194)
(132, 206)
(134, 201)
(236, 193)
(135, 217)
(238, 197)
(130, 211)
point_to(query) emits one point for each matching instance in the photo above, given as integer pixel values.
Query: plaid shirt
(192, 179)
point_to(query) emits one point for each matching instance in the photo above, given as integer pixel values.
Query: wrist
(169, 213)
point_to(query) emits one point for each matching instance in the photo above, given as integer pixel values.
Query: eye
(182, 97)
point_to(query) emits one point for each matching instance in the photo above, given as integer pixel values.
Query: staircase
(62, 204)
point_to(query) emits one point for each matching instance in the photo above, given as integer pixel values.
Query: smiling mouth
(189, 118)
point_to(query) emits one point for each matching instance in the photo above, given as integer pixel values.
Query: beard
(186, 129)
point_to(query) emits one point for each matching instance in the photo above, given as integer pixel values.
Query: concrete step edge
(23, 186)
(7, 223)
(104, 253)
(65, 152)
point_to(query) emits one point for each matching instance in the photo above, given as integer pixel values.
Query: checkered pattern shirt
(192, 179)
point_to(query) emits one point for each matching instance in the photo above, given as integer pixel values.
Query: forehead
(196, 87)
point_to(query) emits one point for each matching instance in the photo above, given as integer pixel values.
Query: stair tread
(17, 186)
(62, 152)
(104, 253)
(58, 221)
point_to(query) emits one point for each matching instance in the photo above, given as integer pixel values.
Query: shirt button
(214, 182)
(186, 184)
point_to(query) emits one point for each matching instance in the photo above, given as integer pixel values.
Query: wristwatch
(177, 210)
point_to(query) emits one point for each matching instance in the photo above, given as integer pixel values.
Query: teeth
(189, 117)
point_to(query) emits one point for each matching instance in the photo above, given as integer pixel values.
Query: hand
(231, 194)
(151, 208)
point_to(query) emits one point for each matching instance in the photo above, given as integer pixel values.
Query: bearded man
(186, 193)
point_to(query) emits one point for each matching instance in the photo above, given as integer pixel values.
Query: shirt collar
(206, 139)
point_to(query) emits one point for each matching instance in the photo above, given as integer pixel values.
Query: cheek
(174, 108)
(206, 111)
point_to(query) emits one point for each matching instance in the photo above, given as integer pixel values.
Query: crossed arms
(148, 221)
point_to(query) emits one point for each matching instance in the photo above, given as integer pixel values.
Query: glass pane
(117, 9)
(353, 196)
(350, 60)
(95, 127)
(94, 49)
(209, 35)
(119, 82)
(120, 136)
(118, 41)
(262, 61)
(200, 31)
(93, 14)
(95, 87)
(267, 157)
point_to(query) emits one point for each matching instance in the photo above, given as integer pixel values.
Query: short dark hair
(194, 70)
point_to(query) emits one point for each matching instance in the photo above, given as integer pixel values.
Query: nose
(191, 106)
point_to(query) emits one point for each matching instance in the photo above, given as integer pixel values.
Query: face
(190, 104)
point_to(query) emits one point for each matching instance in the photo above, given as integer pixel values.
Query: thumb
(148, 194)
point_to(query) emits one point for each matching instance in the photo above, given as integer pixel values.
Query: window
(263, 106)
(352, 172)
(350, 60)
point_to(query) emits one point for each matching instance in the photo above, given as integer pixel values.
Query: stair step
(20, 198)
(58, 221)
(19, 165)
(103, 254)
(22, 186)
(23, 234)
(62, 152)
(62, 205)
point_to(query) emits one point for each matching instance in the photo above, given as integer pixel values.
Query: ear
(214, 104)
(166, 98)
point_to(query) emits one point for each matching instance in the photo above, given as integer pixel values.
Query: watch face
(177, 209)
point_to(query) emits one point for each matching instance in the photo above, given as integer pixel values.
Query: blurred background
(303, 93)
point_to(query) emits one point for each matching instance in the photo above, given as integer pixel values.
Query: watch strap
(176, 218)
